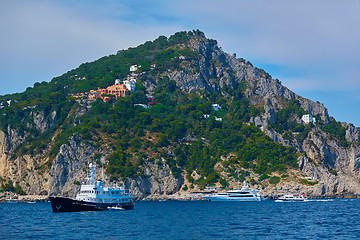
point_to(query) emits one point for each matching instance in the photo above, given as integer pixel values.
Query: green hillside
(176, 128)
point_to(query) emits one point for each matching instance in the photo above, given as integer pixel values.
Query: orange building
(116, 90)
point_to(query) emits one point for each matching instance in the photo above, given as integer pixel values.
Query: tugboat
(93, 196)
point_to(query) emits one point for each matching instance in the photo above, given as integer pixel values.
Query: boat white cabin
(95, 191)
(292, 198)
(245, 194)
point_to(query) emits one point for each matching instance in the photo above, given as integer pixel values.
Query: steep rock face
(69, 166)
(43, 122)
(218, 69)
(161, 182)
(8, 142)
(352, 133)
(330, 185)
(262, 88)
(26, 170)
(345, 161)
(324, 155)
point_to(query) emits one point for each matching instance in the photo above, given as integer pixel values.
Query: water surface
(317, 219)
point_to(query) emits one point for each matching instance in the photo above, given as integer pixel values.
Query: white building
(130, 84)
(141, 105)
(117, 81)
(216, 106)
(134, 68)
(308, 118)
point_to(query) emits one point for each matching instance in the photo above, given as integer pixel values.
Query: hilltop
(197, 117)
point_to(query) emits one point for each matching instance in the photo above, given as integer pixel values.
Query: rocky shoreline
(5, 196)
(183, 196)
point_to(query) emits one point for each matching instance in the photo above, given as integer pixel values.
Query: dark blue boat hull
(63, 204)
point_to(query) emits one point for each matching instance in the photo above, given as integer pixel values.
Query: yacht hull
(63, 204)
(217, 199)
(278, 200)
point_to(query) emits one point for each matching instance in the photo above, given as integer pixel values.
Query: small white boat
(292, 198)
(245, 194)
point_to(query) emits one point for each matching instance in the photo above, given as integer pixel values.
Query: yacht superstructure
(245, 194)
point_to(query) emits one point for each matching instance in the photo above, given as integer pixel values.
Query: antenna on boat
(102, 173)
(92, 174)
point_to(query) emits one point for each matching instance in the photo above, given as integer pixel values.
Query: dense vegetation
(10, 188)
(175, 129)
(177, 122)
(337, 132)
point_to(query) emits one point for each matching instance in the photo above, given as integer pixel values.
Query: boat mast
(92, 174)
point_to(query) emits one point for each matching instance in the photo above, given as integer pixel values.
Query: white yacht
(292, 198)
(245, 194)
(94, 197)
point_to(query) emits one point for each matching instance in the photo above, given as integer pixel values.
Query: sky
(311, 46)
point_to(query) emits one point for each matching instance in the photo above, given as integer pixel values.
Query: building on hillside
(142, 105)
(216, 106)
(134, 68)
(130, 84)
(78, 95)
(308, 118)
(116, 91)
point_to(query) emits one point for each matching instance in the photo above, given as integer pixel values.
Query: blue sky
(311, 46)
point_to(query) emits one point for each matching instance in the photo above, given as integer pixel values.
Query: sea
(315, 219)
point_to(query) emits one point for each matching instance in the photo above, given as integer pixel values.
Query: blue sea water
(316, 219)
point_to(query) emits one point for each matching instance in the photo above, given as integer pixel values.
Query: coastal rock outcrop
(159, 184)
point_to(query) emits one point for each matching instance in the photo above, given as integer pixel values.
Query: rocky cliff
(321, 154)
(326, 167)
